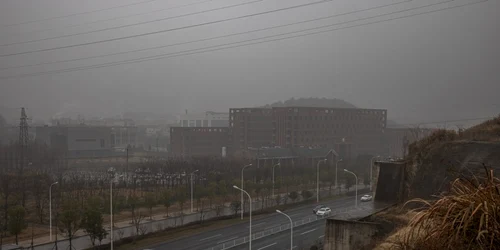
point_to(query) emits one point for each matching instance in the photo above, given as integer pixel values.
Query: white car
(366, 197)
(324, 211)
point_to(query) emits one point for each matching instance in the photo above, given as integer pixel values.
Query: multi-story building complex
(198, 141)
(348, 131)
(356, 130)
(250, 127)
(208, 119)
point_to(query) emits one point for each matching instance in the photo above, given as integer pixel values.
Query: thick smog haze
(430, 67)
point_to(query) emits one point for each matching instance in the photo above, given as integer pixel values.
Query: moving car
(315, 210)
(324, 211)
(366, 197)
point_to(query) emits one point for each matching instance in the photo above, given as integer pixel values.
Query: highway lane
(209, 239)
(303, 238)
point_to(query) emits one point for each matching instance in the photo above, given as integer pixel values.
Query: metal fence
(280, 228)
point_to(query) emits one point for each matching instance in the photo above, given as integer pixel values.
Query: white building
(207, 119)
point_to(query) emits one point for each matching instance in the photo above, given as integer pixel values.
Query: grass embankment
(467, 217)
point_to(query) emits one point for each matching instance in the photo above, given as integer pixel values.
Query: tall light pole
(111, 210)
(336, 172)
(242, 208)
(371, 171)
(356, 186)
(192, 190)
(50, 209)
(317, 179)
(291, 228)
(279, 164)
(250, 228)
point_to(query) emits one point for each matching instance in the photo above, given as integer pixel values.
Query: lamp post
(356, 186)
(279, 164)
(291, 228)
(111, 210)
(371, 171)
(242, 208)
(317, 179)
(50, 209)
(250, 228)
(192, 190)
(336, 172)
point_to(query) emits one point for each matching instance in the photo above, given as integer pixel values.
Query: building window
(102, 143)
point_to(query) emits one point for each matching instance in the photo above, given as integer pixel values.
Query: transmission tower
(23, 149)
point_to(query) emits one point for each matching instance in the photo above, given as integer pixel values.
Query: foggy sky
(432, 67)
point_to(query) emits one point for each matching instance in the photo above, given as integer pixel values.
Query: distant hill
(312, 102)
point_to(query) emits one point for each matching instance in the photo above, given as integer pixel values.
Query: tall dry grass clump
(467, 217)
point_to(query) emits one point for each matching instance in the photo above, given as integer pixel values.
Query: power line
(210, 38)
(166, 30)
(214, 48)
(122, 17)
(448, 121)
(133, 24)
(79, 13)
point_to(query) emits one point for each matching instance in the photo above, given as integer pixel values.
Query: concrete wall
(349, 235)
(389, 186)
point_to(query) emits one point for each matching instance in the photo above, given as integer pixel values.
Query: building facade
(250, 127)
(348, 131)
(198, 141)
(77, 141)
(207, 119)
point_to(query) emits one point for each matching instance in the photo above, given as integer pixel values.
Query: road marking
(267, 246)
(306, 232)
(321, 236)
(211, 237)
(226, 240)
(258, 224)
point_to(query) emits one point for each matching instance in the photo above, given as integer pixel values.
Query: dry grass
(486, 131)
(468, 217)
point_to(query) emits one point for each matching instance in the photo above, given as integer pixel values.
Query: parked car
(366, 197)
(317, 208)
(324, 211)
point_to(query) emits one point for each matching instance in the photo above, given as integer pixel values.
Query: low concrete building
(77, 141)
(349, 235)
(198, 141)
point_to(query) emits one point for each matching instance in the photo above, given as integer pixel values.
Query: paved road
(207, 240)
(303, 238)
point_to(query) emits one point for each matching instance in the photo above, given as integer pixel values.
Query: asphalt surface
(303, 238)
(212, 238)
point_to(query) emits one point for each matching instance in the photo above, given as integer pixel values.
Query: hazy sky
(438, 66)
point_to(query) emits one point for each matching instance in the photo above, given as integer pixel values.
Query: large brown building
(250, 127)
(348, 131)
(198, 141)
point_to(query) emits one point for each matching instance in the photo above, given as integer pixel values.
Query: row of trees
(151, 183)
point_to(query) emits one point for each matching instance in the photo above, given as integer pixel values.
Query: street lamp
(291, 228)
(250, 202)
(111, 209)
(356, 186)
(50, 208)
(242, 208)
(371, 171)
(279, 164)
(336, 172)
(192, 190)
(317, 179)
